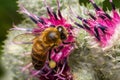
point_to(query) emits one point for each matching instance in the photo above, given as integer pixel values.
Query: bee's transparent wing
(26, 38)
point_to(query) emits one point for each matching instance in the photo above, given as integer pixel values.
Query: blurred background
(8, 16)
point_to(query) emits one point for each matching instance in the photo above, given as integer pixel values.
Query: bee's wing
(26, 38)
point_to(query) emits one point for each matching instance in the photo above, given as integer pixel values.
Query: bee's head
(62, 32)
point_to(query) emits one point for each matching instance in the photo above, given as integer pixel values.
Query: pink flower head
(62, 70)
(102, 26)
(54, 20)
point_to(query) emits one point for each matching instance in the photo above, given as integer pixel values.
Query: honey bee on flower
(102, 26)
(52, 44)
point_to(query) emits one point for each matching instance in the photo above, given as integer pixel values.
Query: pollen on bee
(52, 64)
(48, 41)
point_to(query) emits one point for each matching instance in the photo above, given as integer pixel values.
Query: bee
(48, 40)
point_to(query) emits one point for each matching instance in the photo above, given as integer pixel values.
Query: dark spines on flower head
(48, 9)
(97, 35)
(41, 21)
(102, 16)
(82, 19)
(94, 5)
(59, 13)
(93, 17)
(108, 16)
(49, 12)
(54, 19)
(103, 26)
(35, 21)
(98, 9)
(86, 26)
(112, 4)
(54, 13)
(79, 25)
(33, 17)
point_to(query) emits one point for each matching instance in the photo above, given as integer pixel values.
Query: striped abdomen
(39, 55)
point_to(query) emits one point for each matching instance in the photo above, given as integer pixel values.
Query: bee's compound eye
(63, 36)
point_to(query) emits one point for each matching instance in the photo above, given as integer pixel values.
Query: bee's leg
(46, 75)
(50, 51)
(60, 71)
(58, 49)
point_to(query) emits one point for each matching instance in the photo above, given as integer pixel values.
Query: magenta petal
(57, 56)
(103, 26)
(61, 70)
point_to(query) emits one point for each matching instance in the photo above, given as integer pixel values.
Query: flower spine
(62, 70)
(102, 26)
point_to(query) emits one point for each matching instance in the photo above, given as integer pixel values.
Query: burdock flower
(59, 59)
(102, 26)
